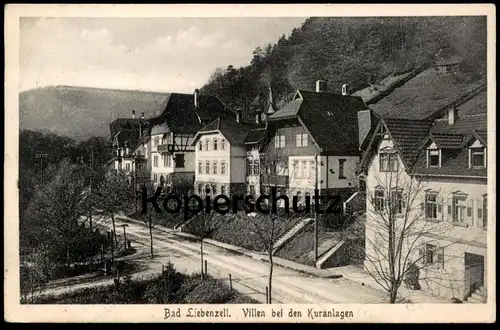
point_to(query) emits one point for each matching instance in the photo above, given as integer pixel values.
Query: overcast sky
(164, 54)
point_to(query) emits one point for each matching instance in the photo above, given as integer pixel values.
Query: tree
(202, 223)
(113, 195)
(274, 167)
(150, 219)
(52, 222)
(395, 231)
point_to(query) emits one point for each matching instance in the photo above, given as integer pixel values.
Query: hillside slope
(80, 112)
(359, 51)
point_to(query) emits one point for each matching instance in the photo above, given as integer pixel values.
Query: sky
(163, 54)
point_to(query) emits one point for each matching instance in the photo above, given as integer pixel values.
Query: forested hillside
(356, 51)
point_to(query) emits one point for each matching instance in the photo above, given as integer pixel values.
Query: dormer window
(433, 158)
(477, 159)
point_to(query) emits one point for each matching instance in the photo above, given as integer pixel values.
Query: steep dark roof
(408, 136)
(255, 136)
(330, 118)
(231, 129)
(447, 141)
(451, 138)
(181, 115)
(423, 95)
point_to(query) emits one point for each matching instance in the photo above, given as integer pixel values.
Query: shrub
(207, 291)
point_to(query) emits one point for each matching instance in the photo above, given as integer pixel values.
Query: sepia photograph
(250, 168)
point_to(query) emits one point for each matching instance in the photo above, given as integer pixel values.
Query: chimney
(133, 114)
(258, 117)
(196, 93)
(238, 115)
(320, 86)
(344, 90)
(452, 114)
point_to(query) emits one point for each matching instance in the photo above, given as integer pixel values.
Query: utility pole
(125, 234)
(315, 213)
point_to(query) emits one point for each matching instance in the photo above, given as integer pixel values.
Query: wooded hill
(356, 51)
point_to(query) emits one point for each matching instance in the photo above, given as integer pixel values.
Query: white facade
(335, 172)
(214, 164)
(163, 163)
(450, 214)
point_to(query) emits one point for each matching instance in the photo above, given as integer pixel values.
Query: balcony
(164, 148)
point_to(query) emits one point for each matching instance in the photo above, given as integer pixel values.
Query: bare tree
(150, 219)
(201, 224)
(396, 228)
(268, 225)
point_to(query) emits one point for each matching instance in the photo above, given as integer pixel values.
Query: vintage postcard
(250, 163)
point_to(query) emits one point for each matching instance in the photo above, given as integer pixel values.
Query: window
(155, 161)
(252, 190)
(295, 165)
(207, 167)
(281, 169)
(431, 206)
(214, 190)
(379, 200)
(249, 166)
(223, 168)
(156, 141)
(207, 189)
(179, 160)
(459, 209)
(200, 188)
(127, 167)
(304, 169)
(223, 144)
(207, 144)
(200, 167)
(155, 178)
(477, 157)
(341, 168)
(215, 144)
(301, 140)
(167, 160)
(433, 255)
(200, 146)
(279, 141)
(223, 190)
(215, 167)
(397, 201)
(485, 212)
(256, 167)
(388, 162)
(433, 158)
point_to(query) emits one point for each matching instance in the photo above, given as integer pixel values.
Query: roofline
(473, 134)
(448, 175)
(308, 132)
(195, 139)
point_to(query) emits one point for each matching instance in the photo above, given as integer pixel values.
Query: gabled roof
(331, 119)
(255, 136)
(445, 141)
(231, 129)
(407, 136)
(181, 115)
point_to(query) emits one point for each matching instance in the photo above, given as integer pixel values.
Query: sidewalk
(356, 274)
(349, 272)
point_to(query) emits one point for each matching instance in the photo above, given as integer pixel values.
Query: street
(249, 276)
